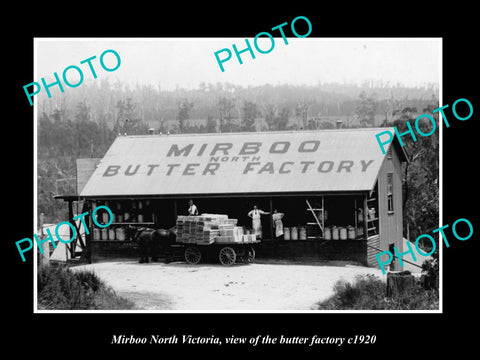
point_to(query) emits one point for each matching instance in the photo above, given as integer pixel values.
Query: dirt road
(262, 287)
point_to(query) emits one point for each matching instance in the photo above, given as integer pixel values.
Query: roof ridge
(262, 132)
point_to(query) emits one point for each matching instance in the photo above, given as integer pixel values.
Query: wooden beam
(365, 210)
(272, 235)
(72, 245)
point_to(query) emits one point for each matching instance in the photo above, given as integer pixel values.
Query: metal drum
(105, 217)
(351, 232)
(120, 233)
(335, 235)
(294, 233)
(328, 234)
(104, 233)
(302, 233)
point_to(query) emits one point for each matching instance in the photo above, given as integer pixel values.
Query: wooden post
(323, 217)
(72, 244)
(45, 257)
(365, 217)
(272, 234)
(399, 282)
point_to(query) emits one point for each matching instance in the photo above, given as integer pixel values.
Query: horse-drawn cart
(227, 253)
(211, 236)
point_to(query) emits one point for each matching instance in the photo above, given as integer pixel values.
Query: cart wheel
(250, 256)
(227, 256)
(192, 255)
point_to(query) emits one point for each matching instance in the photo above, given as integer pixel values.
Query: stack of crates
(205, 229)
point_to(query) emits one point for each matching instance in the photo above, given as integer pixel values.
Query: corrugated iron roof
(236, 163)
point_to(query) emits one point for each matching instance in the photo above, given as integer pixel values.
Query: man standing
(277, 223)
(256, 221)
(192, 210)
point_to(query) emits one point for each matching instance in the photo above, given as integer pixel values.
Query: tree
(225, 108)
(365, 110)
(326, 125)
(83, 111)
(270, 116)
(125, 118)
(183, 114)
(211, 126)
(421, 192)
(282, 118)
(249, 114)
(277, 120)
(301, 112)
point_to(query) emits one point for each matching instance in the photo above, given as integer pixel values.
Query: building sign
(233, 163)
(247, 159)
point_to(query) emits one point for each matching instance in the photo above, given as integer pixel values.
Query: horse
(151, 242)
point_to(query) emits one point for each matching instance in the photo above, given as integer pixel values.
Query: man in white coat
(255, 214)
(192, 209)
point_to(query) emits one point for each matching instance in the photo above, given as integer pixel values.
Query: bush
(60, 288)
(369, 293)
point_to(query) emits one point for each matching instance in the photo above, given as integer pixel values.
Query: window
(390, 192)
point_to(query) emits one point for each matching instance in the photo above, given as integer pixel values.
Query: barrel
(351, 233)
(111, 234)
(105, 217)
(343, 233)
(302, 233)
(286, 233)
(328, 233)
(335, 234)
(360, 215)
(104, 233)
(120, 233)
(294, 233)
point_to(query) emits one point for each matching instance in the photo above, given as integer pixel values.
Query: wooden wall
(372, 244)
(309, 250)
(390, 223)
(344, 250)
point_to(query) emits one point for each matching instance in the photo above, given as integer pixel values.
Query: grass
(59, 288)
(368, 292)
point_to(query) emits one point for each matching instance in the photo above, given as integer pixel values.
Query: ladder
(372, 223)
(317, 221)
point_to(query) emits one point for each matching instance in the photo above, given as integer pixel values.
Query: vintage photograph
(169, 183)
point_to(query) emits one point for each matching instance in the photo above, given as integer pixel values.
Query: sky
(186, 62)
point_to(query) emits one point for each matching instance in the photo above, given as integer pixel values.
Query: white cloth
(277, 221)
(256, 221)
(192, 210)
